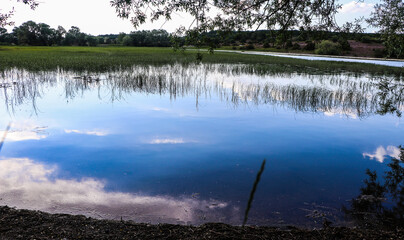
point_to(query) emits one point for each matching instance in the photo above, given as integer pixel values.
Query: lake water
(390, 63)
(183, 144)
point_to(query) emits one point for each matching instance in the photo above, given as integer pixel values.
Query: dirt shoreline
(27, 224)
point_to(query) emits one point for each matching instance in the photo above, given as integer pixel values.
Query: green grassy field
(112, 58)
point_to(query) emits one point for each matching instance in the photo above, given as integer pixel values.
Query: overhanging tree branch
(4, 17)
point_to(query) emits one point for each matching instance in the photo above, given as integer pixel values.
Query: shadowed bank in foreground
(23, 224)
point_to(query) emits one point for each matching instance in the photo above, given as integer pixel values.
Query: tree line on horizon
(41, 34)
(31, 33)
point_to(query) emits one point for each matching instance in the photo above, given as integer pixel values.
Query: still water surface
(391, 63)
(183, 144)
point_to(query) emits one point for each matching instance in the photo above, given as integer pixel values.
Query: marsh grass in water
(113, 58)
(359, 96)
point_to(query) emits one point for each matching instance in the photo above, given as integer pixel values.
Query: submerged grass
(114, 58)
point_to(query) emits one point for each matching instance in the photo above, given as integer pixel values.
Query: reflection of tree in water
(391, 97)
(333, 94)
(381, 204)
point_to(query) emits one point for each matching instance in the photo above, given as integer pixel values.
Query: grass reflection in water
(357, 96)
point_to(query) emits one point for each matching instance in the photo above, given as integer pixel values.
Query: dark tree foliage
(153, 38)
(389, 18)
(391, 97)
(234, 14)
(310, 46)
(75, 37)
(343, 42)
(60, 34)
(316, 16)
(120, 37)
(327, 47)
(91, 40)
(229, 15)
(41, 34)
(381, 204)
(6, 38)
(31, 33)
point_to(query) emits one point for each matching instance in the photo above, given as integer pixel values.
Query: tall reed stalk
(4, 136)
(250, 200)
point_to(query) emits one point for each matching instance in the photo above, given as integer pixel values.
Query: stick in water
(253, 192)
(4, 136)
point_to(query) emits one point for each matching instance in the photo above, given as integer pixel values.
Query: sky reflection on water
(28, 184)
(183, 144)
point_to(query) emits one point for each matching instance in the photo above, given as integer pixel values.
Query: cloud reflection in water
(99, 133)
(381, 152)
(340, 112)
(25, 130)
(169, 141)
(27, 184)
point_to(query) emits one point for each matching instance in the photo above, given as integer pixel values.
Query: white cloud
(25, 130)
(15, 136)
(27, 184)
(347, 113)
(160, 109)
(381, 152)
(357, 7)
(99, 133)
(168, 141)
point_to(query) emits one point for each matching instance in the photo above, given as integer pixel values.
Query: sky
(98, 17)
